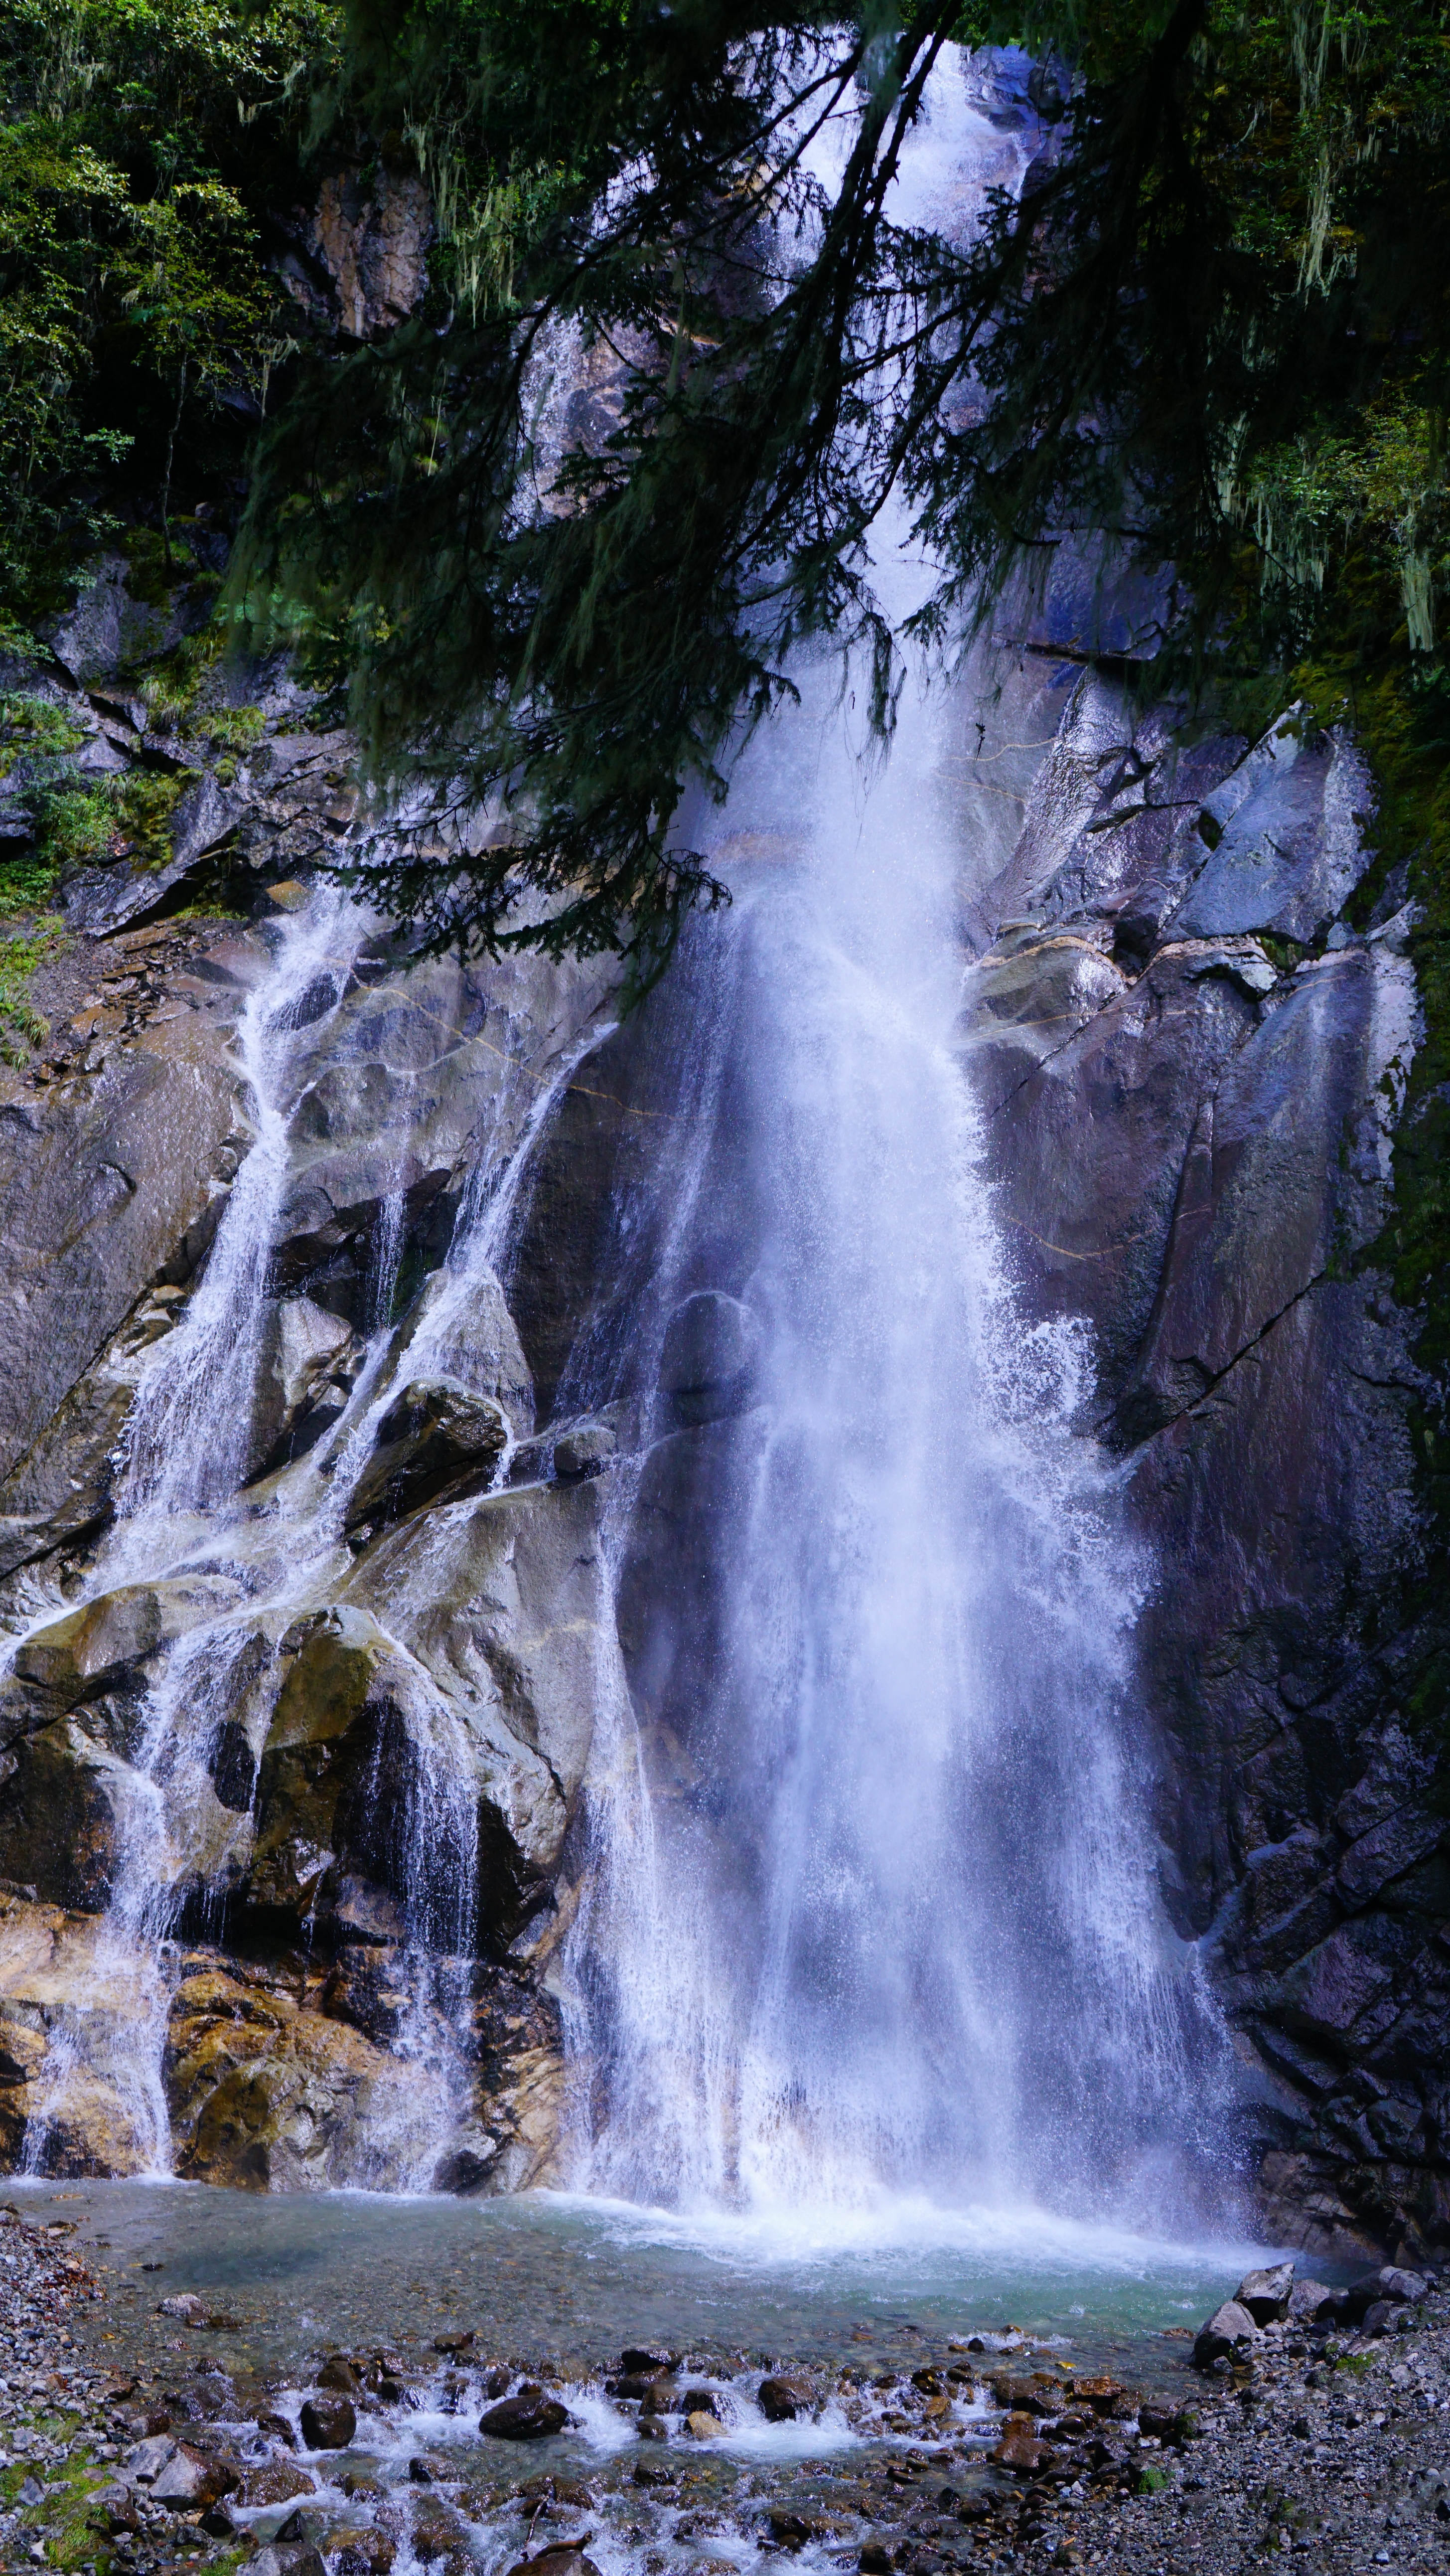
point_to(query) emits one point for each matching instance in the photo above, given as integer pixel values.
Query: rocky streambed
(1302, 2419)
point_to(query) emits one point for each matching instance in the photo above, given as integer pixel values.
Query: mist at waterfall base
(872, 1933)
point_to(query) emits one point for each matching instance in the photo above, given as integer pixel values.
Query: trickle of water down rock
(675, 1607)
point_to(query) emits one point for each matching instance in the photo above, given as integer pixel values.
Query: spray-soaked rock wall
(330, 1931)
(1192, 1068)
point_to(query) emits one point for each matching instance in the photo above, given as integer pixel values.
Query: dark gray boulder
(434, 1434)
(529, 2417)
(708, 1363)
(328, 2422)
(1230, 2330)
(1390, 2285)
(1266, 2294)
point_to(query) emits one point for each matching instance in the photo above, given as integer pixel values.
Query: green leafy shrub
(142, 804)
(75, 823)
(32, 726)
(143, 149)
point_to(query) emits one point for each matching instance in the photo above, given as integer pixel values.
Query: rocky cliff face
(1192, 1070)
(278, 1829)
(286, 1803)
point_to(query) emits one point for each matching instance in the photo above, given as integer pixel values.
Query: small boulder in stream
(194, 2479)
(328, 2422)
(435, 1435)
(529, 2417)
(561, 2558)
(781, 2400)
(1021, 2447)
(1229, 2330)
(1266, 2294)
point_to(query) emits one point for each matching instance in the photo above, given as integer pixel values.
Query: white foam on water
(1026, 2241)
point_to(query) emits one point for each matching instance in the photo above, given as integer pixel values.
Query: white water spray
(870, 1909)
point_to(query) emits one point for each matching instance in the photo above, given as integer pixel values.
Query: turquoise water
(546, 2277)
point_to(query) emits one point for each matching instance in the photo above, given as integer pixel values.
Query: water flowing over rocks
(144, 2436)
(1192, 1091)
(425, 1407)
(266, 1842)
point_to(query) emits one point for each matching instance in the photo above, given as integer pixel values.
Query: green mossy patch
(19, 958)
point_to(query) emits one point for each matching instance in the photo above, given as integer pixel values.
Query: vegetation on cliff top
(148, 177)
(1214, 327)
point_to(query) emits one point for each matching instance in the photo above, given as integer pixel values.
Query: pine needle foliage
(1206, 343)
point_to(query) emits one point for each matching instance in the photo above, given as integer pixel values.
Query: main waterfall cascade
(873, 1908)
(872, 1904)
(860, 1877)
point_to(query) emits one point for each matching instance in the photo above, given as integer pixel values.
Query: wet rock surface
(354, 1915)
(134, 2438)
(1190, 1062)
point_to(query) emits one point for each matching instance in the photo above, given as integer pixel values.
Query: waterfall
(870, 1906)
(872, 1900)
(861, 1873)
(186, 1440)
(236, 1563)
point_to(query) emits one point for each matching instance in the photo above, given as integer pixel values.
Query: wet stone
(275, 2482)
(360, 2549)
(781, 2400)
(1266, 2294)
(1229, 2330)
(559, 2559)
(525, 2418)
(328, 2423)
